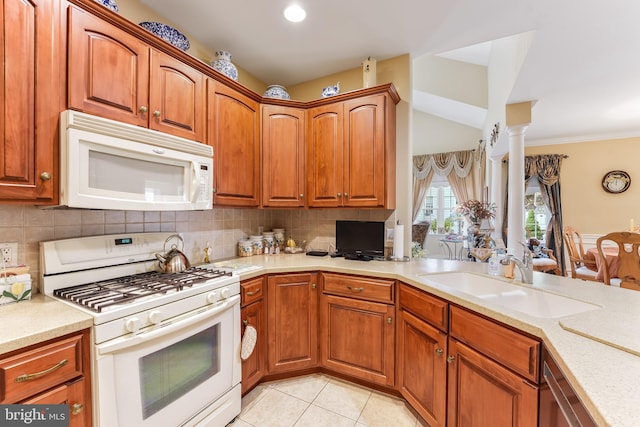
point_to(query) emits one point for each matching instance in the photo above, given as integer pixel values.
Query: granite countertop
(597, 350)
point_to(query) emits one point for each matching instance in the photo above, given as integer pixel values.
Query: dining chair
(581, 268)
(628, 259)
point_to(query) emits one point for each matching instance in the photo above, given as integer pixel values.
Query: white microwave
(107, 164)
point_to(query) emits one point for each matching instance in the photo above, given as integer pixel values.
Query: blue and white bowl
(109, 4)
(168, 34)
(276, 91)
(331, 90)
(223, 64)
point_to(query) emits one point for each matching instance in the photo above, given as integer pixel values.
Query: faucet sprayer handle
(527, 255)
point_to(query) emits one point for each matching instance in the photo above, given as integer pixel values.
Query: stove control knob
(212, 297)
(225, 292)
(155, 317)
(132, 324)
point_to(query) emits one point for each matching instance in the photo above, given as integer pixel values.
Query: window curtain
(464, 171)
(546, 167)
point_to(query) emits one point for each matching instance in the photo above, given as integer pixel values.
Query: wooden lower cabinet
(67, 394)
(422, 367)
(252, 314)
(358, 338)
(482, 393)
(292, 322)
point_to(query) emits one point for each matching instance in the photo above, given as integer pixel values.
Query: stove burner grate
(101, 295)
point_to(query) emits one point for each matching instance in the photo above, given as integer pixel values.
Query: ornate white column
(515, 203)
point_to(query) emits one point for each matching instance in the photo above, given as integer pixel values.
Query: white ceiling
(582, 69)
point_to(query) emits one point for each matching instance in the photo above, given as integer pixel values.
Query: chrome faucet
(525, 265)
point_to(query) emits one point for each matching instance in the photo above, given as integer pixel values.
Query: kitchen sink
(521, 298)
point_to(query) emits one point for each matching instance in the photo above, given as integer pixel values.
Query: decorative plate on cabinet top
(167, 33)
(109, 4)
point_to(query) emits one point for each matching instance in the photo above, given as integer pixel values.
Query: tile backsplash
(220, 227)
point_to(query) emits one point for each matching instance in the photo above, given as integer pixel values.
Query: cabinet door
(70, 394)
(108, 70)
(29, 104)
(358, 338)
(292, 322)
(176, 98)
(234, 132)
(422, 380)
(483, 393)
(253, 368)
(283, 171)
(324, 156)
(364, 152)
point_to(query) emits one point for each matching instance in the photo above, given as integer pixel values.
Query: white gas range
(166, 346)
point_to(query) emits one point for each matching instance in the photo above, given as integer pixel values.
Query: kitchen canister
(268, 241)
(256, 242)
(245, 248)
(278, 235)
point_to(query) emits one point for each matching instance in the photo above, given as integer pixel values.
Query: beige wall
(585, 204)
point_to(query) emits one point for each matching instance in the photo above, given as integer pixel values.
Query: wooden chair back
(628, 255)
(573, 242)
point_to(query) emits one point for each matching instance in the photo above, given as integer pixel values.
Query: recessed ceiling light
(295, 13)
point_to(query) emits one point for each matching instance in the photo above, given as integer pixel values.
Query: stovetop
(113, 293)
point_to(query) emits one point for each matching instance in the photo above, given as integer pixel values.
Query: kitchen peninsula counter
(604, 375)
(600, 362)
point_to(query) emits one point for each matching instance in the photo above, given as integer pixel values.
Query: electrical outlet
(9, 252)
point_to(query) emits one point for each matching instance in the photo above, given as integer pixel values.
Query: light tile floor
(321, 400)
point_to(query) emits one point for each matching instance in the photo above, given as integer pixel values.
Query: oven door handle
(166, 328)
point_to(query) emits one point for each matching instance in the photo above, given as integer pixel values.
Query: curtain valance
(461, 162)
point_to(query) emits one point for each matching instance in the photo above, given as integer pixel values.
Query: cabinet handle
(301, 196)
(339, 194)
(143, 109)
(76, 408)
(28, 377)
(45, 176)
(245, 322)
(355, 289)
(313, 286)
(450, 359)
(389, 320)
(439, 351)
(156, 113)
(346, 195)
(250, 294)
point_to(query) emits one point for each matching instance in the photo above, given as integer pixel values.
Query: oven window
(173, 371)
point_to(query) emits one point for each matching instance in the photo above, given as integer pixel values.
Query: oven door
(167, 374)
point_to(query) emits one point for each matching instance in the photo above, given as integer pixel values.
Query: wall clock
(616, 181)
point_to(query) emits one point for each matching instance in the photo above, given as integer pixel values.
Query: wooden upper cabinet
(29, 101)
(351, 153)
(324, 156)
(115, 75)
(108, 70)
(283, 160)
(176, 98)
(234, 133)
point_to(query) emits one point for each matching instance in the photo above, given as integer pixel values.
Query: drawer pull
(355, 289)
(76, 408)
(439, 351)
(450, 359)
(28, 377)
(250, 294)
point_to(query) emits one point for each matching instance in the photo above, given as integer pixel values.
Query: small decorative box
(15, 288)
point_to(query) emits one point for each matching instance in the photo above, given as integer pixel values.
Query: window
(536, 213)
(439, 205)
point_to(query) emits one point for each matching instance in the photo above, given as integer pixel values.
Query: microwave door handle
(194, 182)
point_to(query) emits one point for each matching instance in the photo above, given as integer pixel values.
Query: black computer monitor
(360, 238)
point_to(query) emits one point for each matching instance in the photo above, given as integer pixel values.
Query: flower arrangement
(475, 210)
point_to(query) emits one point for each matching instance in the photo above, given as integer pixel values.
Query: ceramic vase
(223, 64)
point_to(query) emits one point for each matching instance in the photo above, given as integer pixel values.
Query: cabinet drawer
(251, 290)
(359, 287)
(517, 352)
(28, 373)
(426, 307)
